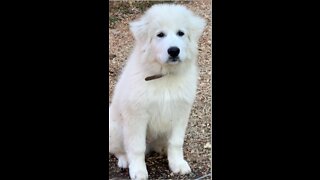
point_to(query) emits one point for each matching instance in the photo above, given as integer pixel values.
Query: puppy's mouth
(173, 60)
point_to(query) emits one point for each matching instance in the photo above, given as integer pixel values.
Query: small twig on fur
(203, 176)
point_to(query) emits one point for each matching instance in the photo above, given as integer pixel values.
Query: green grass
(113, 20)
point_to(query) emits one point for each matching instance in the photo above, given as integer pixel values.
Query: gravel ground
(197, 147)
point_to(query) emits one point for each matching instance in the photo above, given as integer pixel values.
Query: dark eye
(160, 35)
(180, 33)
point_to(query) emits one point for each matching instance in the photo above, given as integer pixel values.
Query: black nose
(173, 51)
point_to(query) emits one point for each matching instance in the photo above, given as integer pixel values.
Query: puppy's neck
(165, 70)
(157, 75)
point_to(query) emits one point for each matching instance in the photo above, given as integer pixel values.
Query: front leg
(177, 163)
(135, 146)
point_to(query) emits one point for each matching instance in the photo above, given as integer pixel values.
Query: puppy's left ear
(197, 27)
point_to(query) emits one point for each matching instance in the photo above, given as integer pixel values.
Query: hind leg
(116, 140)
(122, 160)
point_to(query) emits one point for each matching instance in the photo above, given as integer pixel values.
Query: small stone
(207, 145)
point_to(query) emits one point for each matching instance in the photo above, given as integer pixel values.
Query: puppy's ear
(197, 25)
(139, 30)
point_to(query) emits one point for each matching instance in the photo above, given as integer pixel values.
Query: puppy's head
(168, 33)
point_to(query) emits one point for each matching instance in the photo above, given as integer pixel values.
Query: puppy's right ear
(139, 30)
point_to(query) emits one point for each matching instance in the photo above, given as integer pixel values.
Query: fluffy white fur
(153, 115)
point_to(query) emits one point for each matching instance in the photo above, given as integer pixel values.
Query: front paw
(179, 166)
(138, 173)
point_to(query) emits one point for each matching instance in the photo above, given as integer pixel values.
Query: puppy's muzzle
(173, 52)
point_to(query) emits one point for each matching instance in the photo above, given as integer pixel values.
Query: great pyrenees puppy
(153, 98)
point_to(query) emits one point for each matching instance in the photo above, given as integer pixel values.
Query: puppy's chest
(166, 106)
(166, 102)
(162, 116)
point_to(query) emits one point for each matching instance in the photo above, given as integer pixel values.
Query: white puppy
(154, 96)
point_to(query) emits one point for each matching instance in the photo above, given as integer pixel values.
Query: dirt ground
(197, 147)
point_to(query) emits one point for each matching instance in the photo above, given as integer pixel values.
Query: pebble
(207, 145)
